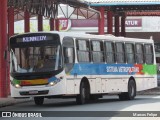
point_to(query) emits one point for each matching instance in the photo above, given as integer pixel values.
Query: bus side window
(130, 56)
(83, 50)
(148, 53)
(139, 53)
(97, 51)
(120, 56)
(68, 52)
(110, 53)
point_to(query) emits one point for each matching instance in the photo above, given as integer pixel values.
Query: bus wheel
(38, 100)
(83, 97)
(130, 95)
(131, 90)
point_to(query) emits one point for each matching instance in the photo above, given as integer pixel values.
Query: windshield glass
(36, 59)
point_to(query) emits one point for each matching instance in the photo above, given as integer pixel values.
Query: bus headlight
(17, 85)
(52, 83)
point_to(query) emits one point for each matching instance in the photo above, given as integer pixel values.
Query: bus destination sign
(33, 39)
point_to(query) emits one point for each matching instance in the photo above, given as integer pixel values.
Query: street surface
(107, 103)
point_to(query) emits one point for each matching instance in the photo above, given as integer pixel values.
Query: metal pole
(10, 21)
(40, 23)
(123, 31)
(116, 20)
(101, 21)
(26, 21)
(52, 24)
(10, 33)
(109, 22)
(3, 47)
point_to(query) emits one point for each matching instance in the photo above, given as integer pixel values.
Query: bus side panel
(109, 85)
(103, 85)
(77, 86)
(145, 83)
(70, 86)
(150, 83)
(98, 85)
(92, 86)
(116, 85)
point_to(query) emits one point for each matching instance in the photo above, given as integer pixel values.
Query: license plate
(33, 92)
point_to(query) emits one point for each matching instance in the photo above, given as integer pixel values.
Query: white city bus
(84, 66)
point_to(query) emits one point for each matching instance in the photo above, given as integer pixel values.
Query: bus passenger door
(69, 60)
(69, 54)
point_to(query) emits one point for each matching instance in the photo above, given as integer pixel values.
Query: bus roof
(107, 37)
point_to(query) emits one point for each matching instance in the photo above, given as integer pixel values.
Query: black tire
(38, 100)
(130, 95)
(83, 97)
(131, 90)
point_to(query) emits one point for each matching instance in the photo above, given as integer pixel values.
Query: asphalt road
(144, 106)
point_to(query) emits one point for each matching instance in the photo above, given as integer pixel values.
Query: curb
(11, 101)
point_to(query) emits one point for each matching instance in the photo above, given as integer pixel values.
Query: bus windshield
(28, 59)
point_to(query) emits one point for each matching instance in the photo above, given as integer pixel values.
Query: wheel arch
(132, 78)
(85, 79)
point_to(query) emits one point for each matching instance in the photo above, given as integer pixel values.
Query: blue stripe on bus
(103, 69)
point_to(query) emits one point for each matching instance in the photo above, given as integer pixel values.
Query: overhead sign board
(94, 23)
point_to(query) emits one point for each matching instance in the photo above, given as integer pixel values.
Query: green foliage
(33, 27)
(46, 26)
(19, 26)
